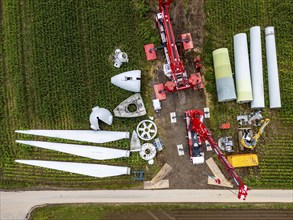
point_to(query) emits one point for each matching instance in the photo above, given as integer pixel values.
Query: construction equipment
(195, 144)
(254, 118)
(226, 144)
(250, 142)
(196, 126)
(158, 143)
(138, 175)
(243, 160)
(173, 68)
(242, 120)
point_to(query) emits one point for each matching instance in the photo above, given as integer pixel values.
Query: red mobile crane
(194, 124)
(173, 68)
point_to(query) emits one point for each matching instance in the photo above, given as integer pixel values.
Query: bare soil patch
(187, 17)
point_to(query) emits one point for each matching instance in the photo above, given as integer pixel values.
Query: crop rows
(224, 20)
(56, 66)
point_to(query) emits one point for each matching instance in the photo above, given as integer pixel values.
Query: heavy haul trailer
(194, 123)
(173, 68)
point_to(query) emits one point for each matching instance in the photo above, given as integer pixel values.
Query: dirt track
(188, 18)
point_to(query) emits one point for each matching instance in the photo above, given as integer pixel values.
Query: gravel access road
(17, 205)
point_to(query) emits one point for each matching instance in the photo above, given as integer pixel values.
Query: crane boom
(177, 73)
(175, 62)
(173, 68)
(205, 135)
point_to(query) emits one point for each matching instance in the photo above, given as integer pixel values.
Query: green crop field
(183, 211)
(226, 18)
(55, 67)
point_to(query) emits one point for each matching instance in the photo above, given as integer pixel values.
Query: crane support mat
(180, 149)
(159, 91)
(166, 169)
(217, 174)
(173, 117)
(187, 44)
(206, 112)
(162, 184)
(212, 181)
(150, 52)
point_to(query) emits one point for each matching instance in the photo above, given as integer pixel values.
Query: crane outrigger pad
(187, 41)
(196, 81)
(150, 51)
(160, 92)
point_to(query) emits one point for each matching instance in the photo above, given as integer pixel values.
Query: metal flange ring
(146, 130)
(148, 151)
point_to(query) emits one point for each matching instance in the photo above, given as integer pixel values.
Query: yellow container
(243, 160)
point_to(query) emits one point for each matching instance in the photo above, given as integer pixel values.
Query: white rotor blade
(94, 170)
(97, 153)
(80, 135)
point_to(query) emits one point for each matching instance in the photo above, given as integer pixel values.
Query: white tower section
(223, 75)
(256, 68)
(242, 70)
(274, 87)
